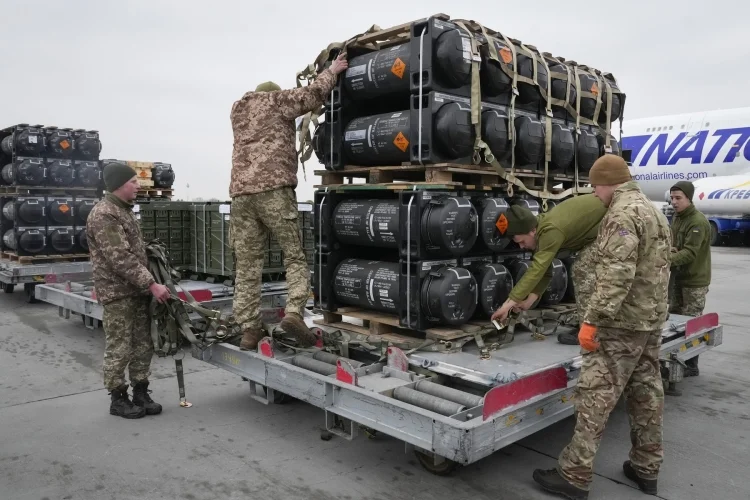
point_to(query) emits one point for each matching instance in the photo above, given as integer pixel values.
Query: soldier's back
(648, 249)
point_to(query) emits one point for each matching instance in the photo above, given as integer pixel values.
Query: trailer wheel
(715, 238)
(280, 398)
(8, 287)
(426, 460)
(29, 289)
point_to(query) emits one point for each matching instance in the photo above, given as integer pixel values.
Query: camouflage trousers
(128, 344)
(253, 216)
(584, 278)
(687, 301)
(625, 361)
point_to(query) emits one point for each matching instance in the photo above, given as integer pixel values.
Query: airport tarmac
(58, 441)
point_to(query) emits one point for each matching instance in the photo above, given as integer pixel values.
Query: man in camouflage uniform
(626, 313)
(691, 259)
(123, 285)
(264, 177)
(571, 226)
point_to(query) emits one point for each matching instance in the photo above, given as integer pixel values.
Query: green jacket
(632, 265)
(571, 225)
(691, 236)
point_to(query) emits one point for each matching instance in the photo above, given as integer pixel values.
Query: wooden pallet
(39, 259)
(480, 177)
(387, 327)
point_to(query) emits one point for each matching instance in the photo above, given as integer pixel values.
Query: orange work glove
(586, 337)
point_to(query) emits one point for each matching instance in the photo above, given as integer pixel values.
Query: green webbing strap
(476, 101)
(480, 145)
(310, 73)
(170, 321)
(607, 125)
(598, 95)
(547, 136)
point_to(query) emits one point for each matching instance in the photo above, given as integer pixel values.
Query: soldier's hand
(340, 64)
(586, 337)
(160, 292)
(503, 311)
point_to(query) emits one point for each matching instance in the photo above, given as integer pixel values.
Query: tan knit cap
(608, 170)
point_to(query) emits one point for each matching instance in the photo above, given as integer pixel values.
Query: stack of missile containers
(390, 101)
(51, 179)
(432, 255)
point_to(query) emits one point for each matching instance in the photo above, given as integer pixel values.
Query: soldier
(264, 178)
(691, 259)
(570, 226)
(620, 336)
(123, 286)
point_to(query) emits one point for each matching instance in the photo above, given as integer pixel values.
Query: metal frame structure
(450, 408)
(523, 388)
(76, 298)
(31, 275)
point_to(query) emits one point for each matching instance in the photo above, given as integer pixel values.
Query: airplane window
(682, 127)
(707, 124)
(670, 127)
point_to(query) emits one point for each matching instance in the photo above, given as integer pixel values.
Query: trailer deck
(31, 275)
(474, 405)
(75, 298)
(452, 406)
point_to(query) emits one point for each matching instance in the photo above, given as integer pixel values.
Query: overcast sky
(158, 78)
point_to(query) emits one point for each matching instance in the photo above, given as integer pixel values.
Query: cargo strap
(339, 341)
(309, 74)
(482, 149)
(170, 323)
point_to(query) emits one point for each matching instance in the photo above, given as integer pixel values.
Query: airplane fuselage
(693, 146)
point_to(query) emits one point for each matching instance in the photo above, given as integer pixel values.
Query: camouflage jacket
(118, 252)
(632, 264)
(265, 156)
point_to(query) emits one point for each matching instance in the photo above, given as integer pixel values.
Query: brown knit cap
(608, 170)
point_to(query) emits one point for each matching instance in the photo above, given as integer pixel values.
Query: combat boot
(647, 486)
(568, 338)
(250, 338)
(141, 398)
(122, 406)
(293, 324)
(552, 481)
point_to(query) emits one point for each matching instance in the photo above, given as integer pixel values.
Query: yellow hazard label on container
(64, 208)
(64, 144)
(398, 67)
(401, 142)
(595, 89)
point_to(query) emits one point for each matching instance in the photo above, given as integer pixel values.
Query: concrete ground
(58, 441)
